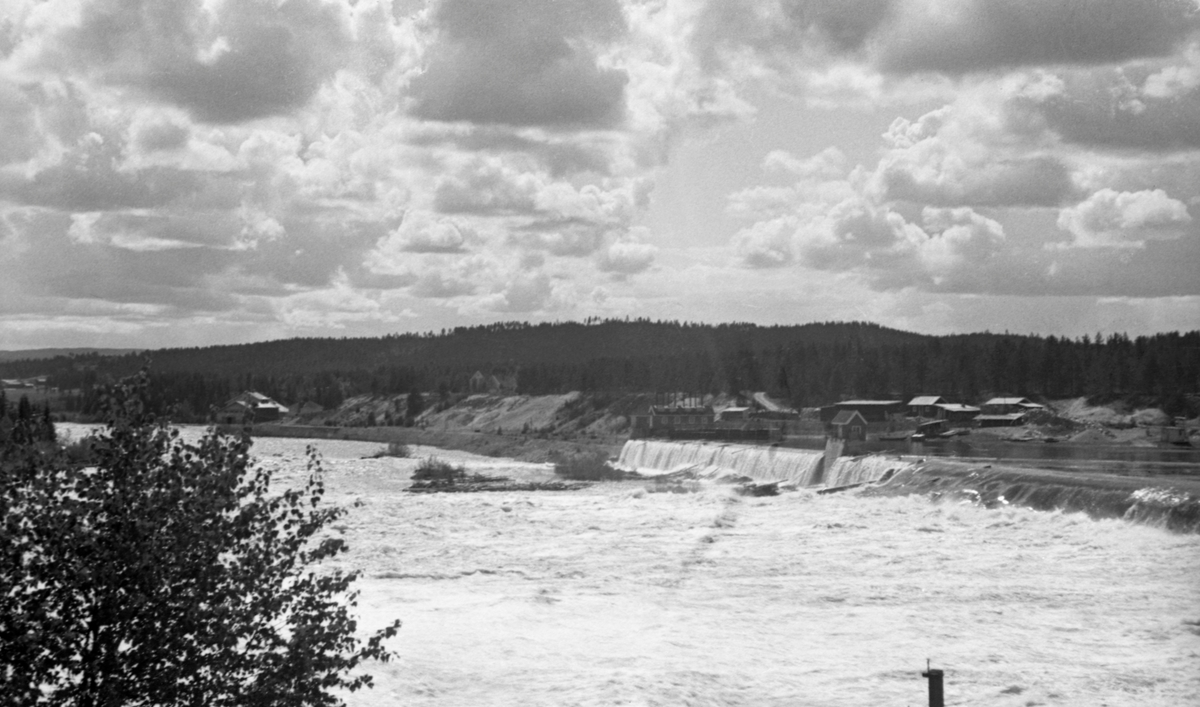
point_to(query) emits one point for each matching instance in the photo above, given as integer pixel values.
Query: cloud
(766, 244)
(524, 293)
(421, 232)
(222, 62)
(87, 178)
(985, 35)
(958, 239)
(963, 155)
(1124, 219)
(522, 62)
(1118, 108)
(628, 255)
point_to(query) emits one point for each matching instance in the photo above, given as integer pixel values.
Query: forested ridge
(810, 364)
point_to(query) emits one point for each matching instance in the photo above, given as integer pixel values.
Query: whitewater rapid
(797, 467)
(617, 596)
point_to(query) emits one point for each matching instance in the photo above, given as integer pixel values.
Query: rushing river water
(1123, 460)
(615, 595)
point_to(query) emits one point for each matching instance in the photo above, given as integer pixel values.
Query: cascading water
(847, 471)
(795, 466)
(1173, 504)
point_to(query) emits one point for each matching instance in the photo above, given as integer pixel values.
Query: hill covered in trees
(810, 364)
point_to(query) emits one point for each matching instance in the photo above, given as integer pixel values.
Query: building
(871, 410)
(953, 412)
(734, 414)
(664, 417)
(925, 405)
(1176, 434)
(1005, 406)
(249, 407)
(848, 425)
(1011, 419)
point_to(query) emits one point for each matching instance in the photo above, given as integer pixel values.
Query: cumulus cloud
(981, 35)
(628, 255)
(223, 62)
(299, 163)
(522, 62)
(1110, 218)
(1116, 108)
(421, 232)
(963, 155)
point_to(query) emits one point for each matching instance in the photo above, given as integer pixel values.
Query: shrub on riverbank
(586, 466)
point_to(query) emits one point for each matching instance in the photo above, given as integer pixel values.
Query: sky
(189, 173)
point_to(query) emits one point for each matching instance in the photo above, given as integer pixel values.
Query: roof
(955, 407)
(1031, 406)
(1007, 401)
(257, 401)
(925, 400)
(735, 409)
(667, 410)
(765, 402)
(1012, 416)
(868, 402)
(845, 417)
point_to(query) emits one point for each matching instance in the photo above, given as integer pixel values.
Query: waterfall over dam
(802, 467)
(1172, 504)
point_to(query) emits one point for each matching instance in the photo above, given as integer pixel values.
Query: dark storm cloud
(522, 62)
(986, 34)
(253, 59)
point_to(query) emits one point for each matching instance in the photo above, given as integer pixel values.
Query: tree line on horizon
(806, 365)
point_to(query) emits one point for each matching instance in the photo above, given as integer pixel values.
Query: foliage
(398, 450)
(586, 466)
(414, 405)
(169, 574)
(434, 469)
(809, 365)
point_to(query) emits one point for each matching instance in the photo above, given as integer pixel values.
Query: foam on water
(796, 466)
(847, 471)
(1173, 505)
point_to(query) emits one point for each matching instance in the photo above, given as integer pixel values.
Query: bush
(586, 466)
(169, 573)
(434, 469)
(399, 450)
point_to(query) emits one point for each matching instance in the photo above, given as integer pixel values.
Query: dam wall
(801, 467)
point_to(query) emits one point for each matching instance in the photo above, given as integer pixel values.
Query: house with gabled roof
(925, 405)
(249, 407)
(1005, 406)
(848, 425)
(953, 412)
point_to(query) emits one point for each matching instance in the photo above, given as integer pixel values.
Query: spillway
(802, 467)
(796, 466)
(1173, 504)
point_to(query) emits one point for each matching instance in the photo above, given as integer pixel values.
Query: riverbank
(535, 448)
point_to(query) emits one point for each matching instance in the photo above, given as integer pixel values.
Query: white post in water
(935, 685)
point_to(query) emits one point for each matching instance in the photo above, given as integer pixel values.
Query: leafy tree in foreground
(169, 574)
